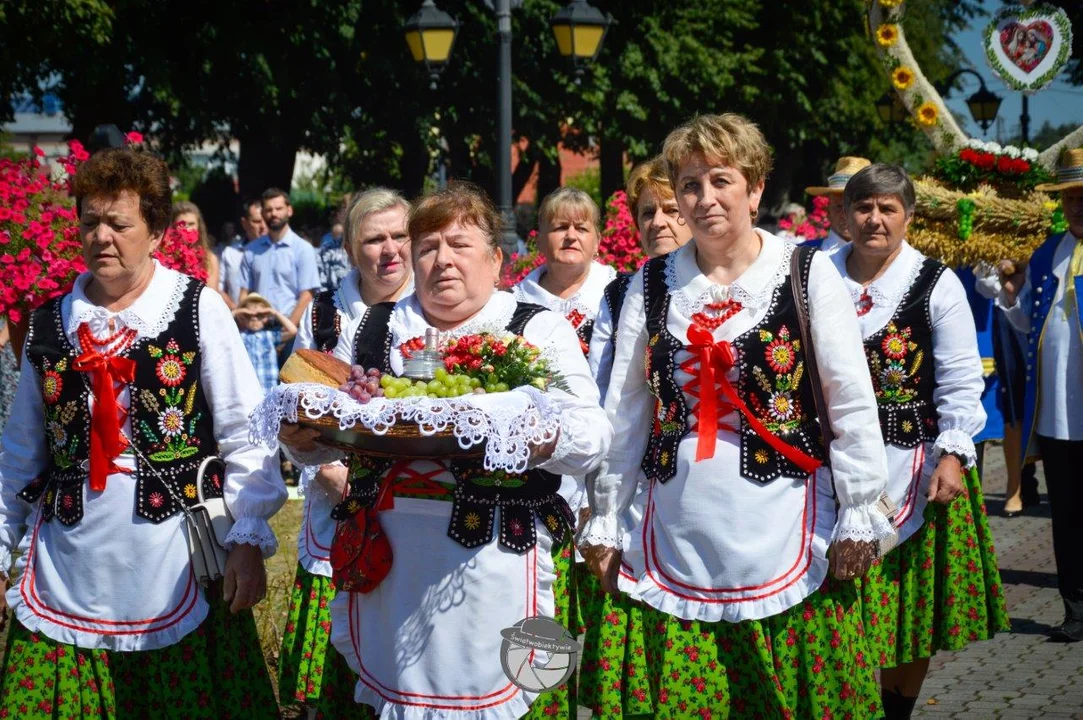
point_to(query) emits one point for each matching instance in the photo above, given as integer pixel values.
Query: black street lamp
(890, 109)
(579, 29)
(983, 104)
(430, 35)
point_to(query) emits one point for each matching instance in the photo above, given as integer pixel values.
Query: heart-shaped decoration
(1027, 47)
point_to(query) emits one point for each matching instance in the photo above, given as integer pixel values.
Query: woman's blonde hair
(182, 207)
(571, 200)
(728, 139)
(649, 176)
(364, 204)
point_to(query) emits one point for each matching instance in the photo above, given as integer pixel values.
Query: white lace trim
(407, 320)
(602, 531)
(509, 422)
(253, 531)
(957, 442)
(98, 318)
(758, 298)
(890, 297)
(592, 289)
(863, 523)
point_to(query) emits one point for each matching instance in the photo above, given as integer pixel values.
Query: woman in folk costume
(132, 381)
(661, 230)
(1045, 300)
(378, 245)
(607, 619)
(426, 641)
(838, 236)
(940, 589)
(570, 282)
(729, 542)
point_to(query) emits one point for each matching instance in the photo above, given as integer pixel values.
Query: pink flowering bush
(41, 252)
(619, 246)
(816, 226)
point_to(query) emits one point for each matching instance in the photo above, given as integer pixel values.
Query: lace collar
(149, 315)
(832, 243)
(691, 289)
(888, 289)
(408, 319)
(586, 301)
(348, 295)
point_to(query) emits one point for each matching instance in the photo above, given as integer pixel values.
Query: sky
(1059, 103)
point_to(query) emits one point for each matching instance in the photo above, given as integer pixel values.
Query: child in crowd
(265, 331)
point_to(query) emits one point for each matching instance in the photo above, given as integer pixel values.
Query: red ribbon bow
(105, 440)
(715, 360)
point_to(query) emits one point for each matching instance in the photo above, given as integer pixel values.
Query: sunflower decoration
(902, 77)
(927, 114)
(887, 34)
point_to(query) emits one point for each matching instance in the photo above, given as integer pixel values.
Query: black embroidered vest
(900, 359)
(771, 380)
(326, 322)
(171, 421)
(614, 298)
(478, 492)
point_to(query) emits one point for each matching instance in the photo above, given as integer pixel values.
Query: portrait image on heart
(1028, 47)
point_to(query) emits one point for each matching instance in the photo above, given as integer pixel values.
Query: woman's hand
(850, 559)
(332, 478)
(604, 564)
(946, 484)
(1011, 278)
(245, 579)
(544, 451)
(295, 437)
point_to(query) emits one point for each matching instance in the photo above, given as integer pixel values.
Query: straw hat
(255, 300)
(1069, 172)
(845, 168)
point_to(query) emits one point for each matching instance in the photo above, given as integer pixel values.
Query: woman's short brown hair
(728, 139)
(461, 202)
(111, 171)
(649, 176)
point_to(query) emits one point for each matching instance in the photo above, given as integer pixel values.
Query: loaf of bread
(313, 366)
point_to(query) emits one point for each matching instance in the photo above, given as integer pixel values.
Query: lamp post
(983, 104)
(430, 35)
(579, 29)
(890, 109)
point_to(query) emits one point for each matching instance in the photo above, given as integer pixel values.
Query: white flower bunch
(1030, 154)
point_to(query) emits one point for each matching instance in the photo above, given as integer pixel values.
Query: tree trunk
(611, 160)
(265, 162)
(413, 166)
(548, 175)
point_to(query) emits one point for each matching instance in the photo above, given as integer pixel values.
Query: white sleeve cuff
(602, 530)
(957, 442)
(322, 455)
(310, 487)
(863, 523)
(253, 531)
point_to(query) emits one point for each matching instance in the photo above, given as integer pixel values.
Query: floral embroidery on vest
(782, 412)
(902, 379)
(175, 437)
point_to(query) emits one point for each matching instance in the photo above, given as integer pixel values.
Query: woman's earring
(680, 220)
(755, 214)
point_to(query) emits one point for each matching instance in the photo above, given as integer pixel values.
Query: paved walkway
(1021, 674)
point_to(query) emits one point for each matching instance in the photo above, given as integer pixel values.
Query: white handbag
(209, 523)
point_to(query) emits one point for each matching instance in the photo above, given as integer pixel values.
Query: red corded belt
(402, 477)
(714, 361)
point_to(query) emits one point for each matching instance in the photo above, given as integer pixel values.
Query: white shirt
(601, 349)
(317, 527)
(229, 274)
(432, 627)
(580, 308)
(114, 581)
(707, 535)
(1060, 353)
(833, 243)
(957, 368)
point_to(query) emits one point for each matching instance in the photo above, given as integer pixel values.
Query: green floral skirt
(808, 662)
(217, 671)
(561, 702)
(311, 671)
(939, 590)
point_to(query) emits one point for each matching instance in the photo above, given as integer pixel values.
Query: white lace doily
(508, 422)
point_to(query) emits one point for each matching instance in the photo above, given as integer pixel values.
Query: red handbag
(360, 553)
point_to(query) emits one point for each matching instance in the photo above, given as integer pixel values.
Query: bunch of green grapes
(444, 385)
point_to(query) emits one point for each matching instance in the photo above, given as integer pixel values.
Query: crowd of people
(764, 487)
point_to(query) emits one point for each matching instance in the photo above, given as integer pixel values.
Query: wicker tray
(403, 440)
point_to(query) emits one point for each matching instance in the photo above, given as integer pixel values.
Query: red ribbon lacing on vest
(709, 364)
(107, 372)
(404, 478)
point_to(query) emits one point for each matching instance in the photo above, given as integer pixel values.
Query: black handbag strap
(800, 265)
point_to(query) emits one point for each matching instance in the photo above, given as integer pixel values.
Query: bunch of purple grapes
(363, 385)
